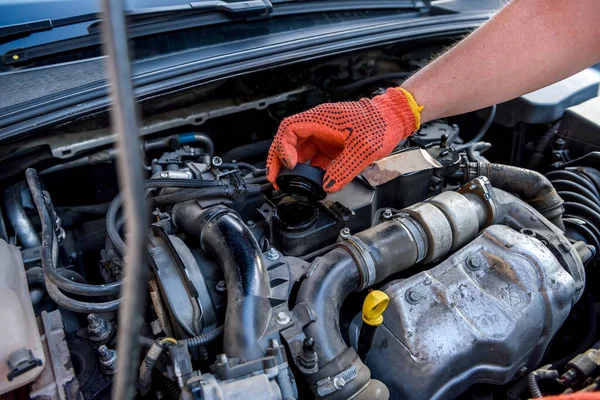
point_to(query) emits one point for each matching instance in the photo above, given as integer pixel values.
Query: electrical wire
(482, 131)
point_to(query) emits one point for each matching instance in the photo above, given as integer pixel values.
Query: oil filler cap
(304, 182)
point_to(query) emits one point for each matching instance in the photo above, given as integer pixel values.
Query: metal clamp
(362, 256)
(482, 187)
(329, 385)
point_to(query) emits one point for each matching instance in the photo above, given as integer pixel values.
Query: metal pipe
(131, 183)
(21, 224)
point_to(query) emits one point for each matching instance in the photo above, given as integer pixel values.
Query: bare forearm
(528, 45)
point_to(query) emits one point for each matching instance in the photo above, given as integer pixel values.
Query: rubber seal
(304, 182)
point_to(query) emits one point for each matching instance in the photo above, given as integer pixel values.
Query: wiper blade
(245, 9)
(11, 32)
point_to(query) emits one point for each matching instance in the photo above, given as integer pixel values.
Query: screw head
(217, 161)
(387, 214)
(251, 224)
(221, 286)
(473, 262)
(345, 233)
(339, 383)
(282, 318)
(413, 296)
(272, 254)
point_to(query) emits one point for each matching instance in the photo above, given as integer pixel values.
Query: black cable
(192, 194)
(238, 165)
(179, 183)
(131, 182)
(196, 341)
(48, 237)
(482, 131)
(366, 81)
(112, 227)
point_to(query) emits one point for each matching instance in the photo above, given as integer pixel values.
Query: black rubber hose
(574, 177)
(583, 211)
(48, 237)
(578, 198)
(76, 305)
(193, 342)
(37, 278)
(244, 152)
(543, 146)
(225, 236)
(564, 185)
(585, 228)
(531, 186)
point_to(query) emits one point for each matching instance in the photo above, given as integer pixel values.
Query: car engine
(435, 274)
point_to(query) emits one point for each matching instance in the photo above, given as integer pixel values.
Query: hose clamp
(418, 234)
(362, 256)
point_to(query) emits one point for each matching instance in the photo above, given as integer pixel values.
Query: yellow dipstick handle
(373, 307)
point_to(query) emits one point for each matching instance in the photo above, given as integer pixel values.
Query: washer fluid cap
(304, 181)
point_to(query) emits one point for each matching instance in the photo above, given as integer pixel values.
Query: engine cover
(484, 315)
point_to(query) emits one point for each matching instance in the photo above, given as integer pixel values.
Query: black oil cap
(304, 182)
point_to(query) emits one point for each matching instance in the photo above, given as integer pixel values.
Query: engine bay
(459, 266)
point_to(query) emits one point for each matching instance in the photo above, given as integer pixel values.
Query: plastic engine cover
(480, 316)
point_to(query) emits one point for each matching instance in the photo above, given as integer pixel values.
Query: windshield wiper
(149, 21)
(12, 32)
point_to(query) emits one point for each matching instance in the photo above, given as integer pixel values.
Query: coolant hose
(225, 236)
(531, 186)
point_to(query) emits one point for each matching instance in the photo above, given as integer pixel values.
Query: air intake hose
(225, 236)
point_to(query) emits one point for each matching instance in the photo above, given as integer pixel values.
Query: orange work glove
(343, 138)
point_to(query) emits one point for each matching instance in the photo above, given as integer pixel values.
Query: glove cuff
(414, 107)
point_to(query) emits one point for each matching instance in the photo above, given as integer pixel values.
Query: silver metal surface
(436, 227)
(480, 316)
(391, 167)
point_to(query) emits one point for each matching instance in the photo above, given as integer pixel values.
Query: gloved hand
(344, 138)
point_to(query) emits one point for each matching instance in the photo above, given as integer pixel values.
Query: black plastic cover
(304, 181)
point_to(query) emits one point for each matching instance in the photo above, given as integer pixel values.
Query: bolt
(339, 383)
(387, 214)
(98, 329)
(251, 224)
(221, 286)
(282, 318)
(272, 254)
(217, 161)
(473, 262)
(308, 343)
(108, 359)
(413, 297)
(222, 358)
(345, 233)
